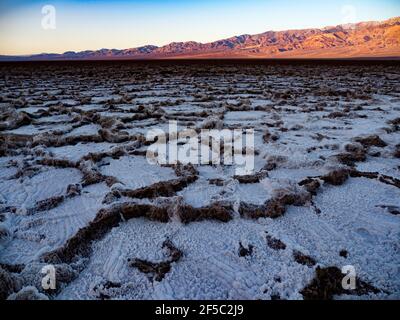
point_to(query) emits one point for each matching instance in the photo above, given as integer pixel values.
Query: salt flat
(77, 191)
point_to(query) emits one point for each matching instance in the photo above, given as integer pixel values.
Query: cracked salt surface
(312, 120)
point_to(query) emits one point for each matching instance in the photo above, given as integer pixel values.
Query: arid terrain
(77, 192)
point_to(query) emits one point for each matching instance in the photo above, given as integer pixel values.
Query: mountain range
(365, 39)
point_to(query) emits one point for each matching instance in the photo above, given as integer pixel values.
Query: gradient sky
(90, 24)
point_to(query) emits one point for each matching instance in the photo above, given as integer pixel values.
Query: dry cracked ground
(77, 192)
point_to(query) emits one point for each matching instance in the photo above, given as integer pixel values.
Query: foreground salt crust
(80, 150)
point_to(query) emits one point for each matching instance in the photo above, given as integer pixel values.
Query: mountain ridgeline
(364, 39)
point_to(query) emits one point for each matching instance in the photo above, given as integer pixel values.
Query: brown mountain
(364, 39)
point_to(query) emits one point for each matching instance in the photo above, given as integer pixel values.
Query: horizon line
(31, 55)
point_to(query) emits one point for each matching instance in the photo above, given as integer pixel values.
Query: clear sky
(90, 24)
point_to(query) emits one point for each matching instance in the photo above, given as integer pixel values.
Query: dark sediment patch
(339, 176)
(13, 144)
(158, 270)
(371, 141)
(49, 203)
(80, 244)
(57, 141)
(269, 137)
(187, 174)
(13, 268)
(336, 177)
(8, 284)
(186, 170)
(354, 153)
(292, 198)
(244, 252)
(275, 207)
(328, 283)
(376, 175)
(274, 243)
(53, 202)
(217, 182)
(96, 157)
(92, 176)
(396, 152)
(154, 213)
(274, 162)
(108, 136)
(74, 190)
(160, 189)
(343, 253)
(311, 185)
(58, 163)
(217, 211)
(254, 178)
(14, 120)
(303, 259)
(272, 209)
(349, 159)
(391, 209)
(105, 290)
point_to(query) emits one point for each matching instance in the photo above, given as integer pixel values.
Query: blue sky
(90, 24)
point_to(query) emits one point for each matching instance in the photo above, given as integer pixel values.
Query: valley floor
(77, 192)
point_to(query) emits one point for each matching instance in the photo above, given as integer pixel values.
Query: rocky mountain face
(364, 39)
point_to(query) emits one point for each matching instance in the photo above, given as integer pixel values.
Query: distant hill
(365, 39)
